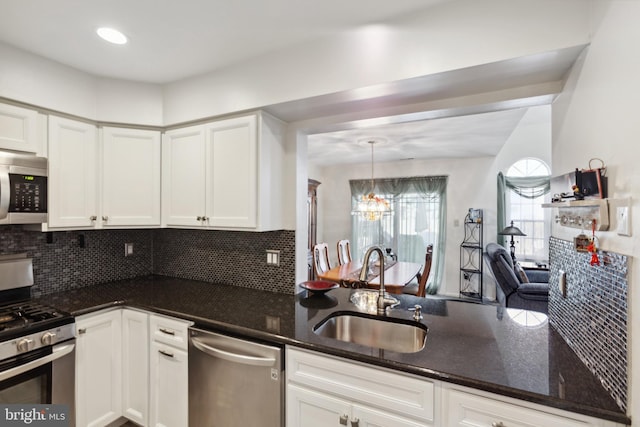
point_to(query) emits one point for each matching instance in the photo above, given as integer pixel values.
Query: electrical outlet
(128, 249)
(562, 283)
(273, 257)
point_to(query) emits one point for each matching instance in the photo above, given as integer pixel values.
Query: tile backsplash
(592, 319)
(229, 257)
(74, 259)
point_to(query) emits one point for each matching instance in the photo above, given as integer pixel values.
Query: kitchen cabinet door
(232, 173)
(135, 366)
(131, 177)
(183, 177)
(169, 404)
(362, 416)
(98, 369)
(464, 409)
(18, 129)
(73, 169)
(307, 408)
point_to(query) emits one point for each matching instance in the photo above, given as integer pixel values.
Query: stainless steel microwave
(23, 189)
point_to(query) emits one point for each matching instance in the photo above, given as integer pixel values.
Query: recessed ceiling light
(111, 35)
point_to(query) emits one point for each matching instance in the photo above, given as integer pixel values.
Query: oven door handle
(58, 352)
(232, 357)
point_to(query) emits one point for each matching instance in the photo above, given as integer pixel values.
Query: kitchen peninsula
(475, 346)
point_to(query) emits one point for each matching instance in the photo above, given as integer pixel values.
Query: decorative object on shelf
(592, 247)
(512, 231)
(471, 256)
(372, 207)
(588, 183)
(581, 242)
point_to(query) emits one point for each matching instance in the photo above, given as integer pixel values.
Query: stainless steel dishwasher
(234, 382)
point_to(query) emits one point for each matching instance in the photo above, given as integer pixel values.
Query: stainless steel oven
(23, 189)
(37, 345)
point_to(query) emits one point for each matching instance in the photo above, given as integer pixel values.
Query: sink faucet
(384, 300)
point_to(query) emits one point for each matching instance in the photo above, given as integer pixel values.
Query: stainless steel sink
(402, 336)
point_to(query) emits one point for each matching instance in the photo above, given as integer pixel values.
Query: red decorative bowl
(318, 286)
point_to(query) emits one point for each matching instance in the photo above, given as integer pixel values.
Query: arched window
(524, 207)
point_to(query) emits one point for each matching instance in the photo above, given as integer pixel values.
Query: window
(416, 220)
(524, 208)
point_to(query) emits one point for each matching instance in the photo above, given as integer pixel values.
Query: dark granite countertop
(479, 346)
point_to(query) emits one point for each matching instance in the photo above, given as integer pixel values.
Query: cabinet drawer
(169, 331)
(377, 387)
(470, 410)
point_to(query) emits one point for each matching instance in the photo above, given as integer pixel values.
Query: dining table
(397, 274)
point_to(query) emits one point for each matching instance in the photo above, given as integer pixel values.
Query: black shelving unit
(471, 256)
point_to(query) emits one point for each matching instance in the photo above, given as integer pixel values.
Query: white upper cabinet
(232, 175)
(18, 129)
(111, 182)
(73, 171)
(225, 174)
(183, 177)
(130, 177)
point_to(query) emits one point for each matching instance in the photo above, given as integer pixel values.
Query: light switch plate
(562, 283)
(623, 221)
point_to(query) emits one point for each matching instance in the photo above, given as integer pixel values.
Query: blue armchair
(529, 291)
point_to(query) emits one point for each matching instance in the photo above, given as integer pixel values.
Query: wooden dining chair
(344, 252)
(321, 263)
(419, 288)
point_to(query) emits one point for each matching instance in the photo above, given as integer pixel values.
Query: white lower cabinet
(132, 364)
(98, 369)
(135, 366)
(168, 372)
(464, 407)
(324, 390)
(309, 408)
(169, 386)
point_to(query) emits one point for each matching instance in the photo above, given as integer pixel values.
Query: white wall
(451, 35)
(34, 80)
(471, 184)
(597, 117)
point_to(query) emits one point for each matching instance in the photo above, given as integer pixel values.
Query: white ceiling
(475, 135)
(172, 40)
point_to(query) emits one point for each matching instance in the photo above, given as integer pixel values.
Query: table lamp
(512, 231)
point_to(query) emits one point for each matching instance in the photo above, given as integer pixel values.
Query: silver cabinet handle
(82, 331)
(167, 331)
(200, 218)
(344, 419)
(205, 218)
(105, 218)
(355, 423)
(165, 353)
(497, 424)
(93, 218)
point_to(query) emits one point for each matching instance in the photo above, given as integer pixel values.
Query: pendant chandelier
(372, 207)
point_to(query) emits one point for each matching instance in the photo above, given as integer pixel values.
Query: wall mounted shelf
(582, 213)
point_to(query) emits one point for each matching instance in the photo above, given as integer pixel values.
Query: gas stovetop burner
(25, 317)
(20, 314)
